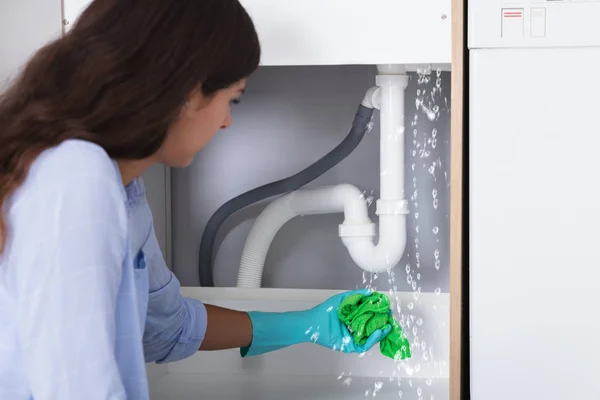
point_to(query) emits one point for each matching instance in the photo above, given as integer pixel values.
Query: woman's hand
(320, 325)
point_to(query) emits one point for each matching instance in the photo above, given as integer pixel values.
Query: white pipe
(392, 206)
(357, 231)
(325, 200)
(392, 136)
(389, 249)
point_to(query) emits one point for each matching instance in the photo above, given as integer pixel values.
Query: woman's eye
(235, 101)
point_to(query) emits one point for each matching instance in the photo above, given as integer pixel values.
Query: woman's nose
(227, 122)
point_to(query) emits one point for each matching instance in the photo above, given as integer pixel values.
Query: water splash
(426, 185)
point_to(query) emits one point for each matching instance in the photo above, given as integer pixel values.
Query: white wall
(289, 117)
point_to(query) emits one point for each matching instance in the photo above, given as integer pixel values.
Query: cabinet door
(339, 32)
(534, 220)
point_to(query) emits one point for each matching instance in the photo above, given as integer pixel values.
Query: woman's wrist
(226, 329)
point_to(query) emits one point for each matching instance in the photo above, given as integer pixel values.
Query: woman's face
(200, 119)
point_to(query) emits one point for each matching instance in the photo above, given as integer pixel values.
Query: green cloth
(363, 315)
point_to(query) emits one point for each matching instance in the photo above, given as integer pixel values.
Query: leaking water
(426, 252)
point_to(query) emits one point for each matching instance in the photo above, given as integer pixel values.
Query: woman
(85, 295)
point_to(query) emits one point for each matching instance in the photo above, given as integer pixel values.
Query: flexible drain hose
(360, 126)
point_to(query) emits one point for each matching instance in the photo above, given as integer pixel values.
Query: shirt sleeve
(175, 325)
(68, 278)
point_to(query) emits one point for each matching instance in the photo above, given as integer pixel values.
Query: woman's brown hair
(119, 77)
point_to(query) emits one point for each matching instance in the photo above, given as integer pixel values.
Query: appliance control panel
(533, 23)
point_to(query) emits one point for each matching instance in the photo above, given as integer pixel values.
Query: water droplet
(437, 291)
(347, 381)
(330, 309)
(419, 321)
(435, 230)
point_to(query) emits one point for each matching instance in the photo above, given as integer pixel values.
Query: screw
(444, 16)
(65, 22)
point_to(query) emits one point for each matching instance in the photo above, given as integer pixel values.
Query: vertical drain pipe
(393, 81)
(392, 207)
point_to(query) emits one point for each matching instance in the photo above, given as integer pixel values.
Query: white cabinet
(322, 32)
(339, 32)
(22, 32)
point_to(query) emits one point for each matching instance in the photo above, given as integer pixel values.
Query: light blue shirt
(85, 295)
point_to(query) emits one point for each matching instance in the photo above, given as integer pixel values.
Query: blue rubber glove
(320, 325)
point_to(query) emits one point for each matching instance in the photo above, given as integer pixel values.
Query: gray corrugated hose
(360, 125)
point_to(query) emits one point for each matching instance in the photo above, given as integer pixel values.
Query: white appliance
(534, 215)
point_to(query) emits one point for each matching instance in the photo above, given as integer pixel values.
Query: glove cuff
(274, 331)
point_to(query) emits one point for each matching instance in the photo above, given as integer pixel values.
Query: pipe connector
(392, 81)
(372, 98)
(391, 69)
(389, 250)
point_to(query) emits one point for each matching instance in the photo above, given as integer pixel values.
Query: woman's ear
(196, 101)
